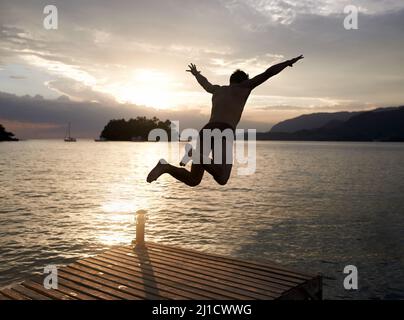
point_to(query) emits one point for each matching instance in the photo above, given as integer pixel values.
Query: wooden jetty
(154, 271)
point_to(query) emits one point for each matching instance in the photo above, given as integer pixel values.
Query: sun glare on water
(117, 216)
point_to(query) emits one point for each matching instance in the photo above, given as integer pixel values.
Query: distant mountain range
(384, 124)
(311, 121)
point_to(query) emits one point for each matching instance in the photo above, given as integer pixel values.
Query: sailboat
(68, 138)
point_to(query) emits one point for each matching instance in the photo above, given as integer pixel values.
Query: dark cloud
(36, 117)
(88, 118)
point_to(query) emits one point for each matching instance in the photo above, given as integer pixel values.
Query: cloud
(61, 69)
(78, 91)
(135, 53)
(17, 77)
(31, 116)
(319, 108)
(255, 65)
(286, 11)
(32, 129)
(35, 117)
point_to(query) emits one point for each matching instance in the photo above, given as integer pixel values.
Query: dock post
(140, 229)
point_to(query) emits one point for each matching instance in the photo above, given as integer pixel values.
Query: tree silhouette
(133, 129)
(6, 136)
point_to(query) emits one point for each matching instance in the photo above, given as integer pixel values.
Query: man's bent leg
(219, 172)
(191, 178)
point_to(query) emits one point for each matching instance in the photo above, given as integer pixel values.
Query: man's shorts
(221, 139)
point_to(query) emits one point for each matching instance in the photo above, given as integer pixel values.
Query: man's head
(238, 76)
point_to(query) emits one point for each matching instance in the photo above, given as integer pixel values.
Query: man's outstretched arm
(270, 72)
(201, 79)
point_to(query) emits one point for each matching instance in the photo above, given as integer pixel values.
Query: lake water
(314, 206)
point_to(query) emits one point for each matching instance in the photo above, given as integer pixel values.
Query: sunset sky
(125, 58)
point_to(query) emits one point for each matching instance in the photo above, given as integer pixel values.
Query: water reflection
(315, 206)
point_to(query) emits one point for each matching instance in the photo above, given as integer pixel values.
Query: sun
(146, 87)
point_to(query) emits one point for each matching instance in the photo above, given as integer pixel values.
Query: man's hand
(201, 79)
(192, 69)
(294, 60)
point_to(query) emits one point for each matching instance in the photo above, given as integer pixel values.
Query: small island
(134, 129)
(5, 135)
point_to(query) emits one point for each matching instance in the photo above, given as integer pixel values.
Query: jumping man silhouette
(228, 103)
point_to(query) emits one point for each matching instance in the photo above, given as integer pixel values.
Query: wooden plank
(29, 293)
(250, 291)
(117, 288)
(157, 277)
(221, 260)
(227, 279)
(75, 294)
(166, 272)
(289, 276)
(4, 297)
(68, 291)
(134, 281)
(51, 293)
(241, 277)
(211, 291)
(311, 287)
(250, 277)
(232, 293)
(14, 295)
(105, 292)
(162, 276)
(85, 290)
(250, 265)
(264, 265)
(219, 276)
